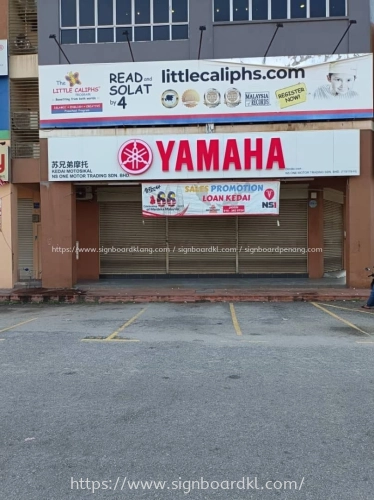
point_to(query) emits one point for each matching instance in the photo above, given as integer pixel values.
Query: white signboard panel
(208, 156)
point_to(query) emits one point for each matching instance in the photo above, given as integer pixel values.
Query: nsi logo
(269, 204)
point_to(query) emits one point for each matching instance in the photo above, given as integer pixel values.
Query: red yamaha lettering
(207, 154)
(165, 155)
(255, 153)
(231, 155)
(184, 157)
(275, 154)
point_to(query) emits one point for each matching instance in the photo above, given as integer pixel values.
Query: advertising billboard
(296, 88)
(206, 199)
(261, 155)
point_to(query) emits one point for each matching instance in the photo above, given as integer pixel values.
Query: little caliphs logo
(73, 79)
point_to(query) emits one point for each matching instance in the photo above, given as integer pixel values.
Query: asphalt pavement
(166, 401)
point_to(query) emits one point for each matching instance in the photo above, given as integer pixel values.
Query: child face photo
(341, 83)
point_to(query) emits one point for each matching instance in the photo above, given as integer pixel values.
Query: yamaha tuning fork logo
(135, 157)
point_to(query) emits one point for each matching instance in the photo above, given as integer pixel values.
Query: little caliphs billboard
(298, 88)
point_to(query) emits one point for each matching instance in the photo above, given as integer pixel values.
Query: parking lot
(108, 394)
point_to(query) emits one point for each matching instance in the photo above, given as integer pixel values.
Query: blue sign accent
(4, 103)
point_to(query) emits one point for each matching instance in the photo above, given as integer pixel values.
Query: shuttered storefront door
(333, 236)
(25, 239)
(202, 245)
(122, 226)
(199, 245)
(263, 232)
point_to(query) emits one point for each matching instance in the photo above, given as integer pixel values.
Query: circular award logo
(135, 157)
(212, 98)
(170, 98)
(232, 97)
(190, 98)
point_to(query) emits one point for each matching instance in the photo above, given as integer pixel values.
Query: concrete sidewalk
(190, 290)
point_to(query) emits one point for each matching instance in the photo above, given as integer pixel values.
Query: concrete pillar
(8, 236)
(58, 216)
(315, 235)
(88, 265)
(360, 217)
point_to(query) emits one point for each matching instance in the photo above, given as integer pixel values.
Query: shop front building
(208, 204)
(227, 167)
(248, 155)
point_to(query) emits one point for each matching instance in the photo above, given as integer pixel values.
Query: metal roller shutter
(333, 239)
(263, 232)
(25, 239)
(202, 234)
(122, 226)
(198, 245)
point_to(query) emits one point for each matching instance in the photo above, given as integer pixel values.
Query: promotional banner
(325, 153)
(296, 88)
(3, 57)
(218, 199)
(4, 164)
